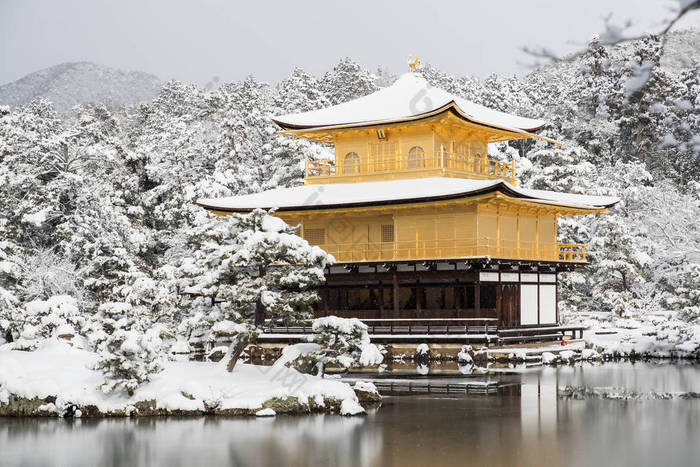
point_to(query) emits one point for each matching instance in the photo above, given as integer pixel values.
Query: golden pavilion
(422, 223)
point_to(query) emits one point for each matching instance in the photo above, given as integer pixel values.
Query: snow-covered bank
(610, 338)
(643, 337)
(57, 379)
(612, 393)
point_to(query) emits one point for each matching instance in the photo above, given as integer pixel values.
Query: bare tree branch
(613, 34)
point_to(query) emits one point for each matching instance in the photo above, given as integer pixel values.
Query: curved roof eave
(450, 106)
(501, 187)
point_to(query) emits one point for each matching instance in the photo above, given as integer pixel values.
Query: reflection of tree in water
(172, 442)
(315, 440)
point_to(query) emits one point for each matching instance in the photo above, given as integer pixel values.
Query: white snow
(366, 386)
(349, 339)
(268, 412)
(228, 327)
(567, 355)
(370, 355)
(58, 369)
(181, 346)
(351, 407)
(548, 357)
(463, 356)
(292, 352)
(422, 349)
(645, 338)
(344, 325)
(338, 194)
(589, 354)
(36, 218)
(408, 97)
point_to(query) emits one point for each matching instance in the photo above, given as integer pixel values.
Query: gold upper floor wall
(442, 145)
(484, 227)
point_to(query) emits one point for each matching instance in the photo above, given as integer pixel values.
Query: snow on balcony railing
(453, 249)
(459, 164)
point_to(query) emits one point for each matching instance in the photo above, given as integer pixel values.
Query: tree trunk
(623, 273)
(234, 352)
(320, 369)
(259, 313)
(259, 308)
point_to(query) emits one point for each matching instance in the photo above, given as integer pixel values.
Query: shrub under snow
(343, 342)
(59, 316)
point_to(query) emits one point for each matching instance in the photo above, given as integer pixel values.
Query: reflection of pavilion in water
(525, 424)
(539, 405)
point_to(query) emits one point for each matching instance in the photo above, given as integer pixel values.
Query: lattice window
(415, 157)
(351, 165)
(461, 150)
(388, 233)
(383, 155)
(315, 236)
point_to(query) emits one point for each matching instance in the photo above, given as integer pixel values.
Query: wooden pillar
(395, 293)
(537, 236)
(455, 297)
(517, 233)
(381, 300)
(556, 298)
(498, 231)
(477, 296)
(539, 286)
(418, 297)
(499, 301)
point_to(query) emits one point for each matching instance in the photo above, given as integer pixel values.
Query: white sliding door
(528, 304)
(548, 304)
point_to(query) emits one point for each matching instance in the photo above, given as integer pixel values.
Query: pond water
(524, 424)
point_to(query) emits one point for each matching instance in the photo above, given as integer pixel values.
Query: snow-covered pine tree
(347, 81)
(679, 123)
(130, 350)
(684, 292)
(643, 92)
(10, 289)
(299, 93)
(595, 66)
(258, 268)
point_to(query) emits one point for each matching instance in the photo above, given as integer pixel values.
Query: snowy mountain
(69, 84)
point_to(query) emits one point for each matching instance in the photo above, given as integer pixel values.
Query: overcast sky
(196, 40)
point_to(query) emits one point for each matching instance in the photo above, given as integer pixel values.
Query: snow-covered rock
(351, 407)
(548, 358)
(464, 356)
(268, 412)
(366, 386)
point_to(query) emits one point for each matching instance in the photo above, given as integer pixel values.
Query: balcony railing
(479, 167)
(454, 249)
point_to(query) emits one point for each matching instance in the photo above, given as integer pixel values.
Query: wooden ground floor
(502, 294)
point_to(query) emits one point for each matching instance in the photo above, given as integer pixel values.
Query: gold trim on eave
(323, 134)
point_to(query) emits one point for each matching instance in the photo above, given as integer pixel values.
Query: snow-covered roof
(338, 195)
(408, 98)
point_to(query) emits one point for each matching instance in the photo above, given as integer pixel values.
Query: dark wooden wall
(419, 295)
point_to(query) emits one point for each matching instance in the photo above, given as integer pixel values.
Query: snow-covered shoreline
(57, 380)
